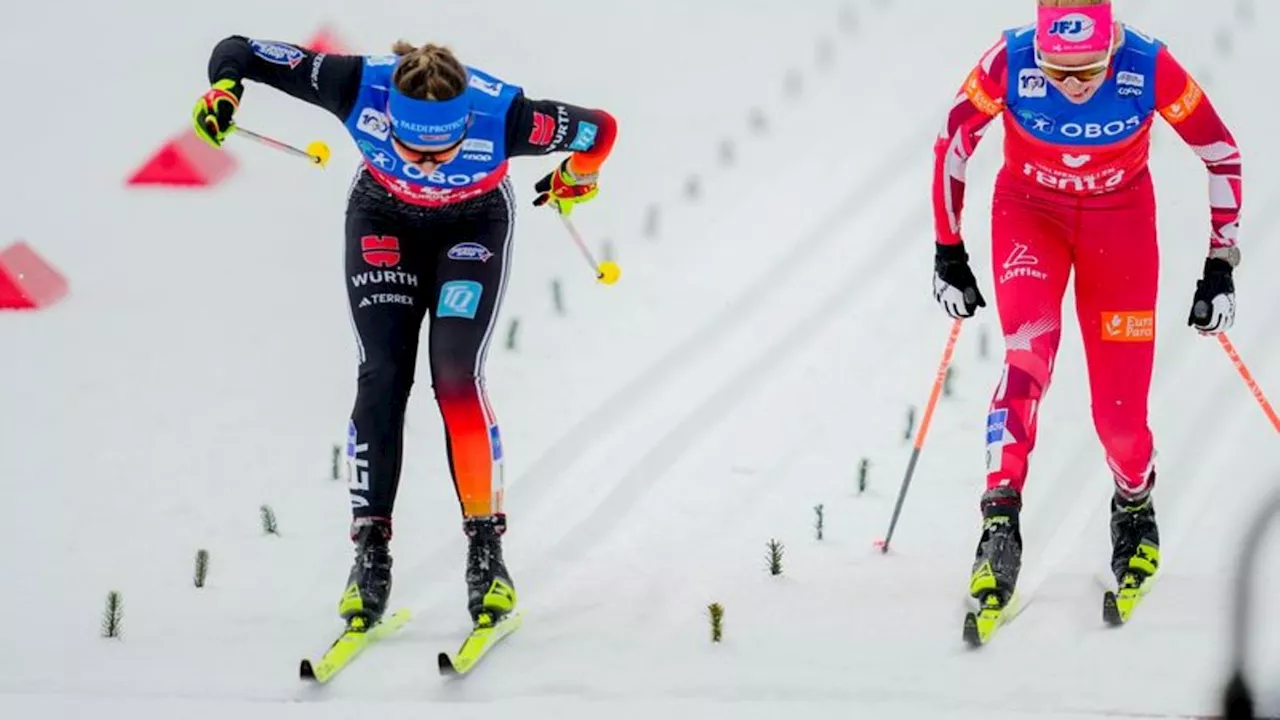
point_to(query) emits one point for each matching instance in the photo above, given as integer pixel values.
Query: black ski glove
(1213, 309)
(954, 286)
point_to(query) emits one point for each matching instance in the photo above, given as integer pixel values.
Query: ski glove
(563, 189)
(214, 110)
(954, 286)
(1213, 309)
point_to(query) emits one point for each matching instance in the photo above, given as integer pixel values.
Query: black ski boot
(999, 556)
(1135, 539)
(490, 593)
(369, 583)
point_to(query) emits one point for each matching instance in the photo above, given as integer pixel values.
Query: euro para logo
(1135, 326)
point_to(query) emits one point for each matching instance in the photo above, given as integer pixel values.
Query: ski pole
(608, 271)
(317, 152)
(924, 429)
(1248, 380)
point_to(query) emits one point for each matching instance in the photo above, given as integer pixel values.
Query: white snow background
(657, 434)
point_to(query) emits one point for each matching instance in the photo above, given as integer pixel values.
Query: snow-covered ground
(657, 435)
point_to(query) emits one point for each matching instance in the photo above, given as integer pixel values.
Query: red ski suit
(1075, 192)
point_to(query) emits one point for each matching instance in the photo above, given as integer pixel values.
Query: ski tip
(306, 671)
(445, 665)
(1111, 610)
(971, 636)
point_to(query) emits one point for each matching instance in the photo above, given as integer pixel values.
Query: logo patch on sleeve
(277, 53)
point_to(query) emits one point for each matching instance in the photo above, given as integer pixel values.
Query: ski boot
(996, 564)
(369, 583)
(491, 595)
(1135, 554)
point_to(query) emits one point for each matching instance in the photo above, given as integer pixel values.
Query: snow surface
(657, 435)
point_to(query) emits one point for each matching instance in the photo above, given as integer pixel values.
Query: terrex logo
(1129, 326)
(380, 250)
(544, 128)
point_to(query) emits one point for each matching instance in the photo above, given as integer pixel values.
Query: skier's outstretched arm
(1184, 105)
(540, 127)
(328, 81)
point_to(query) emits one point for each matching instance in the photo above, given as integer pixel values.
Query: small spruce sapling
(775, 557)
(512, 333)
(269, 525)
(716, 611)
(557, 296)
(202, 567)
(113, 615)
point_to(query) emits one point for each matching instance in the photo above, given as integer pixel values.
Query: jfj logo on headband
(1073, 28)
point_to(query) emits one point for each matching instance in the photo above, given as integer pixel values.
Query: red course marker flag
(27, 281)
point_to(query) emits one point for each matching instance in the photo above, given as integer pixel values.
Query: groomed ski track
(660, 435)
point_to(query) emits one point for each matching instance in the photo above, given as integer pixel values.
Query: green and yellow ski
(981, 625)
(1118, 605)
(349, 645)
(483, 638)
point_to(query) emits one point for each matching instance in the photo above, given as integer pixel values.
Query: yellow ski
(483, 638)
(981, 625)
(349, 645)
(1118, 605)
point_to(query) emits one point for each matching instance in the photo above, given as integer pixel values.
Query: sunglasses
(1083, 73)
(420, 157)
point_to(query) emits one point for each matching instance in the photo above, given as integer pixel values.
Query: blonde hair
(430, 72)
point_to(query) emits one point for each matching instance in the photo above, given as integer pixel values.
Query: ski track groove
(672, 446)
(548, 471)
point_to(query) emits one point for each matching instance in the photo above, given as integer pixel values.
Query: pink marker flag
(1074, 29)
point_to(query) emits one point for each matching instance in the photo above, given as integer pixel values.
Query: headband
(1074, 29)
(428, 122)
